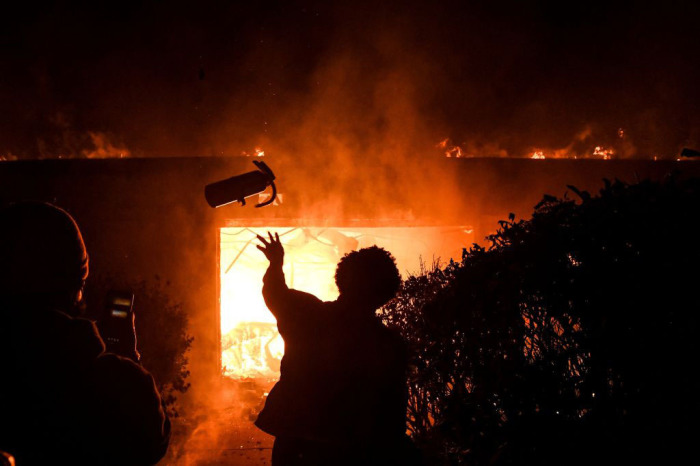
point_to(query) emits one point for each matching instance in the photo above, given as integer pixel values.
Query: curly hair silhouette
(369, 275)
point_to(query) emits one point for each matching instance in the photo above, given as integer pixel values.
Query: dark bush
(573, 339)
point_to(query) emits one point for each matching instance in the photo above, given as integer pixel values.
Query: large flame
(250, 343)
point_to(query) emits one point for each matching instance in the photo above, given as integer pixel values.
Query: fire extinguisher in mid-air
(239, 187)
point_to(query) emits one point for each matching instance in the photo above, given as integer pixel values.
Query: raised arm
(287, 305)
(275, 290)
(273, 250)
(274, 286)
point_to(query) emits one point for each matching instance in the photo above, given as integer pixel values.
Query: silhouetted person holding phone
(63, 400)
(341, 397)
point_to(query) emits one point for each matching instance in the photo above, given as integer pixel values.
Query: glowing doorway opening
(251, 347)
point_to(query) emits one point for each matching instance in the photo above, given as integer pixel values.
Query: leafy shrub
(572, 339)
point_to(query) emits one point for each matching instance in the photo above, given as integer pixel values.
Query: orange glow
(257, 152)
(567, 153)
(450, 149)
(103, 148)
(250, 343)
(605, 154)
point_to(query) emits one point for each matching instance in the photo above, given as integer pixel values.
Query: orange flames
(257, 152)
(605, 154)
(450, 149)
(582, 146)
(251, 347)
(598, 152)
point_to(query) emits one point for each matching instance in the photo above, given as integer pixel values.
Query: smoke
(221, 435)
(103, 148)
(315, 80)
(355, 94)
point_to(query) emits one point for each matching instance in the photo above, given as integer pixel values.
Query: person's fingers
(260, 247)
(271, 238)
(277, 237)
(262, 240)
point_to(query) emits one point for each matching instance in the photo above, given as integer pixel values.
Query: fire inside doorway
(251, 347)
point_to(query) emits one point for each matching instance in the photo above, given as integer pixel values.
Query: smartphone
(117, 324)
(120, 305)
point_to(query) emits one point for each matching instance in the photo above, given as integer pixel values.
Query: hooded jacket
(63, 400)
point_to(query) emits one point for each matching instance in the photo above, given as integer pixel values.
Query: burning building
(251, 346)
(347, 99)
(147, 218)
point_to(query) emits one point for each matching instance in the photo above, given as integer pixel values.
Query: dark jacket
(63, 400)
(342, 376)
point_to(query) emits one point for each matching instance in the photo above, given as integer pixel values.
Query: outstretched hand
(272, 248)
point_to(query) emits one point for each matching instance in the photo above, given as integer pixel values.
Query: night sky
(175, 78)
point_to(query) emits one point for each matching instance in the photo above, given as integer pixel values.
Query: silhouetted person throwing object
(63, 400)
(341, 397)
